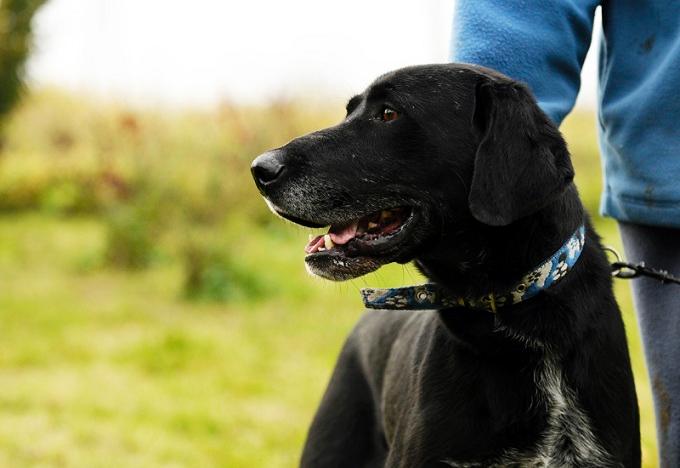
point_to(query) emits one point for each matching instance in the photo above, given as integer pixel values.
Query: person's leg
(658, 311)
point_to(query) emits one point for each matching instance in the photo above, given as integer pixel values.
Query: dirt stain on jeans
(663, 402)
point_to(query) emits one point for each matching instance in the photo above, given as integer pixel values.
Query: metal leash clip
(626, 270)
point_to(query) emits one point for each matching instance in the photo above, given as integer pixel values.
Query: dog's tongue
(339, 234)
(342, 234)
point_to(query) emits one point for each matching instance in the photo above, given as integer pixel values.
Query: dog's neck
(495, 258)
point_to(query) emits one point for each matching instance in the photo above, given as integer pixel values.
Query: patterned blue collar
(433, 296)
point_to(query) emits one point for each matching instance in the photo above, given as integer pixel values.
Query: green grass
(111, 369)
(104, 368)
(108, 366)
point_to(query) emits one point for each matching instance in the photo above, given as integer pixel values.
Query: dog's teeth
(372, 225)
(328, 242)
(321, 249)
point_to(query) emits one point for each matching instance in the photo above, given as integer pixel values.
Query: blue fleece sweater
(544, 44)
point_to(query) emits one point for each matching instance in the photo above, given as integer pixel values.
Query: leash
(628, 270)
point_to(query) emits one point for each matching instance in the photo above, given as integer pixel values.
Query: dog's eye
(388, 115)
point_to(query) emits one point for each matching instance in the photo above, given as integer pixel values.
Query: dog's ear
(522, 162)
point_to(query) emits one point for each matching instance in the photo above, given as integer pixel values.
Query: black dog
(455, 167)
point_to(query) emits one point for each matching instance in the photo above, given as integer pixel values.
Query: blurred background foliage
(15, 42)
(154, 313)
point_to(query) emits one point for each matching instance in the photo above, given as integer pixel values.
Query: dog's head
(423, 153)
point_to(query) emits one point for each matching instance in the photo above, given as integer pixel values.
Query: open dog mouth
(362, 245)
(370, 231)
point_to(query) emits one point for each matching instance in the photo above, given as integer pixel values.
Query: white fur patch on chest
(568, 440)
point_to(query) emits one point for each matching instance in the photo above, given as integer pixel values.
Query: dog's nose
(267, 168)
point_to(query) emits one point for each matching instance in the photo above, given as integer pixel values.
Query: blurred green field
(152, 312)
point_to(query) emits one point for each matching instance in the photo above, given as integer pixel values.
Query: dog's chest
(568, 439)
(437, 394)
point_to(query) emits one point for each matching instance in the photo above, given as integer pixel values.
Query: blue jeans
(658, 311)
